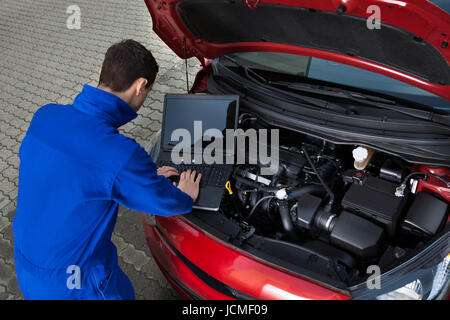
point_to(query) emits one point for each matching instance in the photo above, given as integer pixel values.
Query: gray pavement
(42, 61)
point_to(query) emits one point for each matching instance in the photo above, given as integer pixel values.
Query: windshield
(443, 4)
(333, 72)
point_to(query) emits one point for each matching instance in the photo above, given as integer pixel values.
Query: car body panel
(224, 264)
(418, 17)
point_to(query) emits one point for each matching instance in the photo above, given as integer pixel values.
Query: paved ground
(42, 61)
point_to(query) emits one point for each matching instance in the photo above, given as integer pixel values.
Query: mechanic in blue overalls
(75, 169)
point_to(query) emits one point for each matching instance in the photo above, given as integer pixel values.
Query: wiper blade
(247, 70)
(360, 98)
(368, 100)
(419, 114)
(335, 92)
(261, 81)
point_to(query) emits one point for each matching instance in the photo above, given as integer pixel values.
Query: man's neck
(122, 95)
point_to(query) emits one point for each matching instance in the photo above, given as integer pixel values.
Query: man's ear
(140, 86)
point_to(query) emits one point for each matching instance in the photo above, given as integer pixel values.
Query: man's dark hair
(124, 63)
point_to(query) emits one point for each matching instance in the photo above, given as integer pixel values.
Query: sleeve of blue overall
(138, 187)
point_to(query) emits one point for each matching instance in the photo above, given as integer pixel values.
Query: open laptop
(216, 112)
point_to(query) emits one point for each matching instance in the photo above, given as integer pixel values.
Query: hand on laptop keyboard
(189, 183)
(212, 175)
(167, 171)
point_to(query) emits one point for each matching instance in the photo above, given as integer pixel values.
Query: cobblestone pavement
(42, 61)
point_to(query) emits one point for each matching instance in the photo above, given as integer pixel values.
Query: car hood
(410, 44)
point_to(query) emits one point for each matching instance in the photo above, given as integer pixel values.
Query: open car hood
(411, 44)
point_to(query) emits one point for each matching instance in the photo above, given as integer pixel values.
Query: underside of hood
(410, 45)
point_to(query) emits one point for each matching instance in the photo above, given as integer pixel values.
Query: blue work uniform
(75, 169)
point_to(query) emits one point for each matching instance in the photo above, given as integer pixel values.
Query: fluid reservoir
(362, 156)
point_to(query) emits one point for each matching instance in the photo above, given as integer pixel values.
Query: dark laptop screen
(181, 111)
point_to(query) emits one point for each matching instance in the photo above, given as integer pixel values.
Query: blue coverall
(75, 169)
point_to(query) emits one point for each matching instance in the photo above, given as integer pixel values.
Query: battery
(376, 201)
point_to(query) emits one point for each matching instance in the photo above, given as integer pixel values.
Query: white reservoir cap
(360, 154)
(281, 194)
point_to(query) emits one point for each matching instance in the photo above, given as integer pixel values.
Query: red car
(359, 91)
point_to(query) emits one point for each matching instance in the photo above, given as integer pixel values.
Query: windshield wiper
(360, 98)
(331, 91)
(247, 71)
(263, 82)
(368, 100)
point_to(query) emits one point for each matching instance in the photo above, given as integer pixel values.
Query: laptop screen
(196, 114)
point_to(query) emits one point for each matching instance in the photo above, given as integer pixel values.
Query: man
(75, 169)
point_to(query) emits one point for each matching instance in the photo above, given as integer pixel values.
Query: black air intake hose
(310, 188)
(287, 222)
(285, 214)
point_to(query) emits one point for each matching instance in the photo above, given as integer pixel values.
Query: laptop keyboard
(212, 175)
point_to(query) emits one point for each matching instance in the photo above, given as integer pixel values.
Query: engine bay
(353, 204)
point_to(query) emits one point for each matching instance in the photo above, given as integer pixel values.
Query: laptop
(191, 123)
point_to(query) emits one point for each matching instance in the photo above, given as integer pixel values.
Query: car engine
(361, 201)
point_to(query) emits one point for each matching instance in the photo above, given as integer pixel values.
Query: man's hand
(167, 171)
(189, 184)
